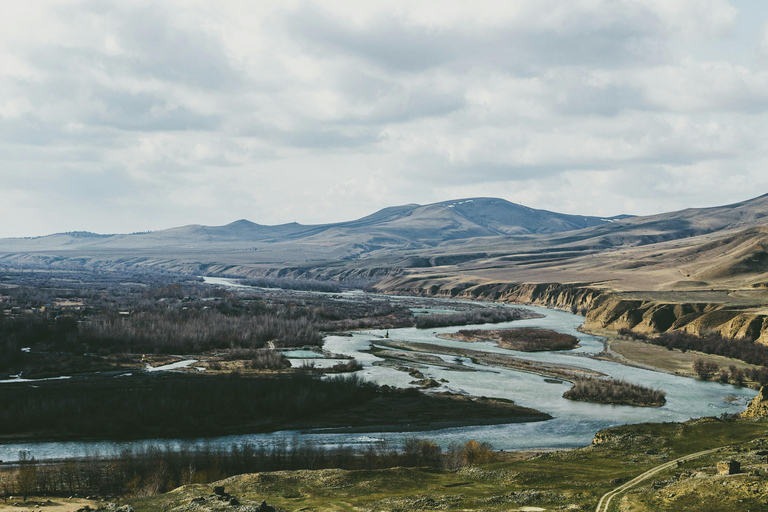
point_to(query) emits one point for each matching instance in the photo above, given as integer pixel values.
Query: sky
(118, 117)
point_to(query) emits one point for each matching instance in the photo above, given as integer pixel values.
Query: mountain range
(396, 226)
(487, 238)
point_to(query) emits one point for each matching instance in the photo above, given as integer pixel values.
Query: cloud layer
(127, 116)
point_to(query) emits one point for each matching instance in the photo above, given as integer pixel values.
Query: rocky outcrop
(572, 297)
(758, 407)
(611, 311)
(603, 309)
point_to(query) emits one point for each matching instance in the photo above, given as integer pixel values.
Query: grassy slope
(550, 480)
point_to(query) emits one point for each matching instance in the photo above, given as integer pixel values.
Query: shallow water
(574, 425)
(301, 354)
(178, 365)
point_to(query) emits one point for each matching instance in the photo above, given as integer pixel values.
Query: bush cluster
(733, 375)
(476, 316)
(612, 391)
(741, 349)
(312, 285)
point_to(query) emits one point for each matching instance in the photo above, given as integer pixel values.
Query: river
(574, 424)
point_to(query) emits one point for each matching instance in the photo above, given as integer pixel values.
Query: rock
(758, 407)
(218, 490)
(266, 508)
(427, 383)
(234, 501)
(728, 467)
(114, 507)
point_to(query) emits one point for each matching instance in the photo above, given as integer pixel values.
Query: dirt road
(605, 501)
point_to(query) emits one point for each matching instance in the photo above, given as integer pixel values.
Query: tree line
(171, 404)
(313, 285)
(705, 370)
(714, 343)
(475, 316)
(157, 469)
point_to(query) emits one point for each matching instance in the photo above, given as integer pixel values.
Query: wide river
(574, 423)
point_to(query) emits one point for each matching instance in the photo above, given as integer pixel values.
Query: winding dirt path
(605, 501)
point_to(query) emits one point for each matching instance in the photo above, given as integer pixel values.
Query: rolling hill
(394, 227)
(477, 239)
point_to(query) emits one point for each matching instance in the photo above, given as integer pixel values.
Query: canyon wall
(603, 309)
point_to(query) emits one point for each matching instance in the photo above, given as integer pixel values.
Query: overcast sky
(130, 116)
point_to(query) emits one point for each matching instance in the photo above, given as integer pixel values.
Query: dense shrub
(171, 405)
(611, 391)
(705, 370)
(269, 360)
(742, 349)
(477, 316)
(629, 333)
(163, 313)
(313, 285)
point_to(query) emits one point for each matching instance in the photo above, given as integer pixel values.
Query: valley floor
(653, 357)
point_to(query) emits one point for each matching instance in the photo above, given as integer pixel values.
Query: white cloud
(179, 112)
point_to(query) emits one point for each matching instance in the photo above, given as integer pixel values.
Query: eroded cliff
(603, 309)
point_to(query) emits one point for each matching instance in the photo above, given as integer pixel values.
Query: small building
(728, 467)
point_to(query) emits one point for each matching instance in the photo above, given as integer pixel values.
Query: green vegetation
(157, 469)
(508, 481)
(616, 392)
(193, 404)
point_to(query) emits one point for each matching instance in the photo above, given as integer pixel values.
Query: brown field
(659, 358)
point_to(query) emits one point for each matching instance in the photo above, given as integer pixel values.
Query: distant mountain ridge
(488, 239)
(393, 226)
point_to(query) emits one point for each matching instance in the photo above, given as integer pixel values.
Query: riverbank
(574, 423)
(606, 311)
(563, 480)
(195, 405)
(639, 354)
